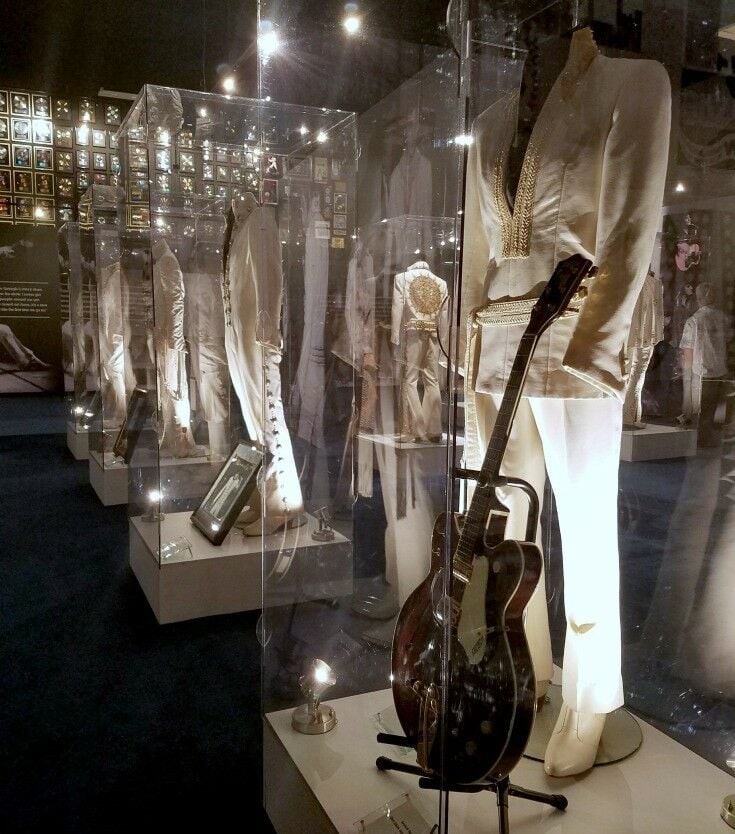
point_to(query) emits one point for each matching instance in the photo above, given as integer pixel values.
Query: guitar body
(491, 697)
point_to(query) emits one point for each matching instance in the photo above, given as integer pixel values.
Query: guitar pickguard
(472, 626)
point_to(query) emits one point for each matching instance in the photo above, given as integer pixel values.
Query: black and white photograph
(82, 134)
(83, 180)
(99, 138)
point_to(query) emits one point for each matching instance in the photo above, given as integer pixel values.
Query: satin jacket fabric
(592, 183)
(405, 308)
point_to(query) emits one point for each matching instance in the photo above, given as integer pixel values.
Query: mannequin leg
(523, 459)
(632, 408)
(431, 405)
(581, 441)
(411, 419)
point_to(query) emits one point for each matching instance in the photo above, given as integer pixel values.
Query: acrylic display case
(493, 144)
(100, 210)
(221, 201)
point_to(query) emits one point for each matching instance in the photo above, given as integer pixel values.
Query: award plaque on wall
(4, 130)
(112, 114)
(44, 212)
(20, 104)
(65, 162)
(6, 208)
(87, 110)
(63, 137)
(3, 101)
(99, 138)
(42, 132)
(4, 153)
(65, 186)
(62, 109)
(5, 180)
(22, 130)
(64, 213)
(41, 107)
(22, 156)
(43, 158)
(24, 208)
(22, 182)
(228, 494)
(45, 185)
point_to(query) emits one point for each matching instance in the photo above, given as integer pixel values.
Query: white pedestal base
(77, 441)
(110, 481)
(324, 784)
(653, 442)
(228, 578)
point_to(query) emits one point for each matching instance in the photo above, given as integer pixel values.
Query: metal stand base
(502, 788)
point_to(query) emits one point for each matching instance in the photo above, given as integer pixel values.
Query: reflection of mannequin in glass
(703, 357)
(114, 371)
(602, 132)
(252, 292)
(418, 321)
(646, 331)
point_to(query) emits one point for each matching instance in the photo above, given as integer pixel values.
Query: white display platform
(324, 784)
(653, 442)
(77, 441)
(110, 481)
(227, 579)
(393, 442)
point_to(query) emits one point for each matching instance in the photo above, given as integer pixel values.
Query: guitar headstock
(557, 294)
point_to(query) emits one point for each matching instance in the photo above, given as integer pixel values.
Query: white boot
(572, 748)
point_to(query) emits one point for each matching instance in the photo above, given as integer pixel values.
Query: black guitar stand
(502, 788)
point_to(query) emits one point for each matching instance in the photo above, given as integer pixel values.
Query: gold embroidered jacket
(592, 182)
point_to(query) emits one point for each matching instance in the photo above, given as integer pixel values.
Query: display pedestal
(331, 781)
(654, 442)
(77, 441)
(109, 481)
(205, 579)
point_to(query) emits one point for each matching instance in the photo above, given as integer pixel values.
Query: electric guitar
(462, 676)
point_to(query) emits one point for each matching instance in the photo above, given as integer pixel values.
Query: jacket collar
(582, 52)
(417, 266)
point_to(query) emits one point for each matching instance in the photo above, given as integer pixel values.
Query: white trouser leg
(581, 442)
(412, 419)
(632, 408)
(431, 405)
(691, 393)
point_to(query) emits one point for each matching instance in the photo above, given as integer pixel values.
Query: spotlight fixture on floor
(315, 718)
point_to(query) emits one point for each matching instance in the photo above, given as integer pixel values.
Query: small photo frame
(339, 224)
(115, 164)
(99, 179)
(163, 159)
(65, 162)
(4, 153)
(44, 210)
(321, 169)
(43, 133)
(82, 159)
(22, 157)
(5, 183)
(22, 182)
(229, 494)
(99, 161)
(43, 159)
(24, 208)
(83, 180)
(186, 163)
(63, 137)
(20, 104)
(45, 185)
(340, 203)
(87, 110)
(4, 128)
(271, 165)
(113, 141)
(99, 138)
(269, 191)
(21, 130)
(4, 107)
(223, 173)
(337, 168)
(6, 208)
(65, 186)
(62, 109)
(41, 106)
(112, 114)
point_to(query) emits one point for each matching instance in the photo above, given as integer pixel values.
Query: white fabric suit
(592, 183)
(252, 292)
(112, 349)
(418, 320)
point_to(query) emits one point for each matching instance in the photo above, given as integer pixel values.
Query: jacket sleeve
(396, 317)
(631, 196)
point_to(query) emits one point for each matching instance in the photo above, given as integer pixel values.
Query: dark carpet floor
(110, 722)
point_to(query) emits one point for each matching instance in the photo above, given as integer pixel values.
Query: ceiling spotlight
(267, 40)
(463, 139)
(228, 83)
(680, 187)
(303, 130)
(351, 24)
(321, 136)
(154, 513)
(314, 718)
(202, 112)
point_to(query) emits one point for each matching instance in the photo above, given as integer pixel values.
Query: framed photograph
(99, 179)
(43, 133)
(24, 208)
(4, 153)
(6, 208)
(22, 182)
(139, 157)
(113, 141)
(187, 184)
(271, 166)
(4, 128)
(87, 110)
(5, 185)
(113, 115)
(65, 162)
(141, 409)
(21, 130)
(20, 104)
(114, 164)
(63, 137)
(208, 171)
(186, 163)
(82, 180)
(62, 109)
(64, 213)
(163, 159)
(321, 169)
(223, 173)
(65, 186)
(340, 203)
(43, 158)
(229, 494)
(41, 106)
(22, 156)
(99, 138)
(45, 185)
(270, 192)
(44, 210)
(339, 224)
(99, 161)
(82, 159)
(82, 134)
(4, 107)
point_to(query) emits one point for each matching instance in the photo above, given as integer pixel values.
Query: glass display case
(221, 203)
(496, 142)
(100, 209)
